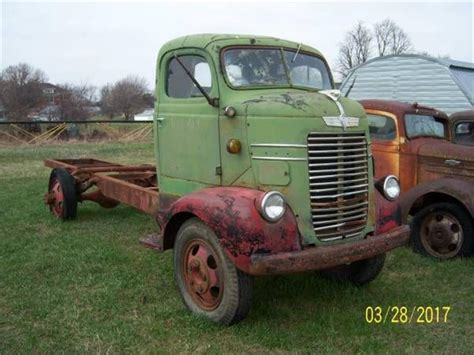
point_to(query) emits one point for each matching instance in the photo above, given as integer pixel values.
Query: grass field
(88, 286)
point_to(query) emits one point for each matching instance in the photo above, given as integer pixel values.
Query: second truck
(262, 168)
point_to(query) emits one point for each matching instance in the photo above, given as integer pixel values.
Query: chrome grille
(338, 183)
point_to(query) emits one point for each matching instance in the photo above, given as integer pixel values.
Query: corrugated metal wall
(408, 79)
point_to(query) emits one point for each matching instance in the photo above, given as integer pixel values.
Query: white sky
(96, 43)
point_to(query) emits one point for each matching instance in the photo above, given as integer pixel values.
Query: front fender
(232, 214)
(461, 191)
(388, 214)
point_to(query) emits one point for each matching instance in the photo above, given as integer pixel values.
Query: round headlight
(273, 206)
(391, 187)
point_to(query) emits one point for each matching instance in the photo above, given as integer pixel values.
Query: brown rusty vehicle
(462, 127)
(436, 175)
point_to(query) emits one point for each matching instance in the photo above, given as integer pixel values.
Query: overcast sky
(96, 43)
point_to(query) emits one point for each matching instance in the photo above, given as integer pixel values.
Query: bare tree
(391, 38)
(21, 90)
(75, 102)
(355, 49)
(106, 104)
(126, 97)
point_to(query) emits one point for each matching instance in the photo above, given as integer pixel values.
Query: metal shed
(445, 84)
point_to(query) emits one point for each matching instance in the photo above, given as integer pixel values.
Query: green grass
(88, 286)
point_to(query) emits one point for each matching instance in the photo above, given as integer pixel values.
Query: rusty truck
(436, 175)
(262, 168)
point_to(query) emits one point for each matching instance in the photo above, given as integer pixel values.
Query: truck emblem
(341, 121)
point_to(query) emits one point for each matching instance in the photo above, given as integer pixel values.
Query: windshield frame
(273, 86)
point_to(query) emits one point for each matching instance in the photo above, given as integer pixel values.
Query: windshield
(423, 125)
(260, 67)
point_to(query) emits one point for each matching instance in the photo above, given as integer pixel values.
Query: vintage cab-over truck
(462, 127)
(436, 175)
(262, 168)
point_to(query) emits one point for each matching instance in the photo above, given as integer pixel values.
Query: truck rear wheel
(208, 281)
(443, 231)
(61, 196)
(359, 273)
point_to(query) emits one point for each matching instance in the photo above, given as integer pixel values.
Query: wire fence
(38, 133)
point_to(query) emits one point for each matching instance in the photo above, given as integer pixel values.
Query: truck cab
(436, 176)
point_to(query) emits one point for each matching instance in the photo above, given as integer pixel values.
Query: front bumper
(318, 258)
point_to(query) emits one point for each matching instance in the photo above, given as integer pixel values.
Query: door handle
(452, 162)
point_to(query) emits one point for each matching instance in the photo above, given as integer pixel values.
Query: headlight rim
(264, 199)
(384, 187)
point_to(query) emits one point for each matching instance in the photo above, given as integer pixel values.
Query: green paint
(191, 140)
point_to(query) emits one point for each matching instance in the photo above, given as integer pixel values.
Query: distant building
(146, 115)
(445, 84)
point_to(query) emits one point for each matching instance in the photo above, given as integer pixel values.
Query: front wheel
(443, 231)
(208, 281)
(359, 272)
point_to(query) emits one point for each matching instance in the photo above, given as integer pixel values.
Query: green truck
(262, 168)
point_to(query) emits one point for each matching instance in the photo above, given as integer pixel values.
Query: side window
(381, 127)
(180, 85)
(464, 133)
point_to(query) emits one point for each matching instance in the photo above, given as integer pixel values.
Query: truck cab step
(152, 241)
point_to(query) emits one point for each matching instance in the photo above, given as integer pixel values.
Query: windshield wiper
(214, 102)
(296, 54)
(350, 87)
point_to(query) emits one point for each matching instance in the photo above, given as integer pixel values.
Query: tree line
(363, 42)
(26, 95)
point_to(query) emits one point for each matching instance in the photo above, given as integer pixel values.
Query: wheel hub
(202, 274)
(441, 234)
(55, 198)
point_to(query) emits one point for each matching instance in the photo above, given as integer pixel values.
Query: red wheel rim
(202, 274)
(57, 203)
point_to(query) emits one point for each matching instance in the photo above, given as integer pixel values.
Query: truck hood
(297, 103)
(439, 158)
(442, 149)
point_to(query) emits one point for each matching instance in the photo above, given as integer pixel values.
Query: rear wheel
(208, 281)
(359, 272)
(61, 196)
(443, 231)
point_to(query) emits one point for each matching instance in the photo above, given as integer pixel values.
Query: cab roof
(205, 39)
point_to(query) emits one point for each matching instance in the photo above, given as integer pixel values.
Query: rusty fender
(460, 190)
(323, 257)
(388, 213)
(232, 214)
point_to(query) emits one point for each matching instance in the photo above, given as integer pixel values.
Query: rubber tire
(359, 273)
(68, 187)
(463, 217)
(237, 298)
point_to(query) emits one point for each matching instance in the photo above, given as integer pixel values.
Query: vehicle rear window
(382, 127)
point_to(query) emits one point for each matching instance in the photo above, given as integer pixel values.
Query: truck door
(385, 143)
(187, 126)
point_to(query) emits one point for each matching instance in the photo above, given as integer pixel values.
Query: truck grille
(338, 180)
